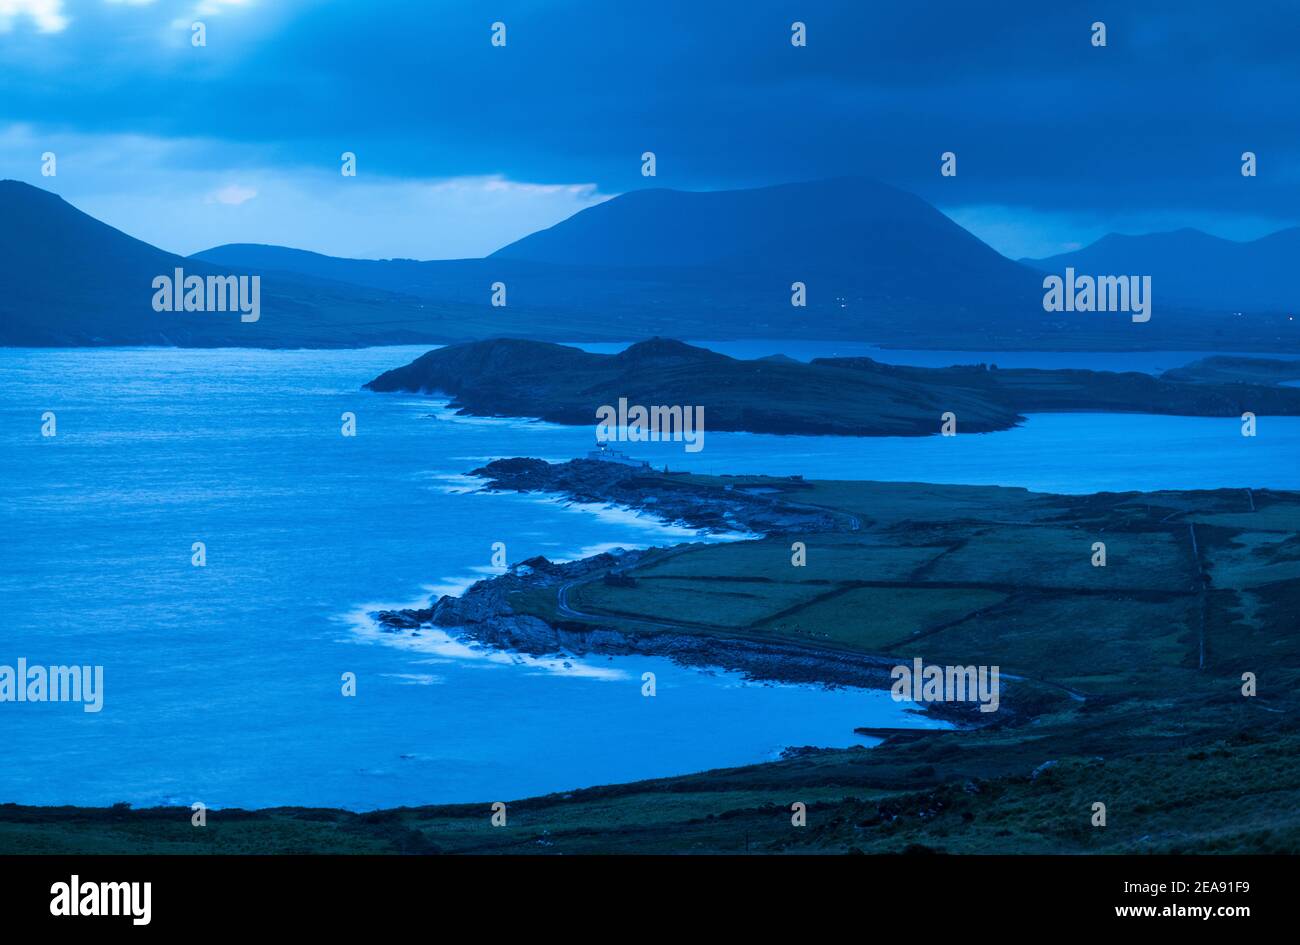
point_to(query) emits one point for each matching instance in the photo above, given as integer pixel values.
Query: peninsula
(1122, 682)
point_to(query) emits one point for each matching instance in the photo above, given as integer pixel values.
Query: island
(829, 396)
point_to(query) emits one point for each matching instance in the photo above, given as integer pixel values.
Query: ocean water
(1058, 452)
(222, 683)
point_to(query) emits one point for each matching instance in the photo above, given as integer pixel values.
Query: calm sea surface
(222, 682)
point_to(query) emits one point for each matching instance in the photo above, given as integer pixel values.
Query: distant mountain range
(873, 258)
(879, 264)
(1196, 268)
(68, 279)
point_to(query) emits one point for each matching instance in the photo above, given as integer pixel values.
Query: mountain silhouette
(69, 279)
(827, 225)
(874, 260)
(1190, 266)
(876, 264)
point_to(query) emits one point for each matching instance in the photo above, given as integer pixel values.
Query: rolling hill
(69, 279)
(507, 377)
(511, 377)
(1190, 266)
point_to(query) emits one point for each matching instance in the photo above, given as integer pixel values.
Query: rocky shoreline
(769, 510)
(483, 613)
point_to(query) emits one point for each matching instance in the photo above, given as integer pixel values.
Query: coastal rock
(770, 508)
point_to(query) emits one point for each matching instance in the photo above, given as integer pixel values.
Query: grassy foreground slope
(1129, 691)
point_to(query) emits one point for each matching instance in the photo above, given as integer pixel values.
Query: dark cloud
(1040, 119)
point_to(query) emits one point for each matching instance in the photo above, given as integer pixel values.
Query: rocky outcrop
(772, 508)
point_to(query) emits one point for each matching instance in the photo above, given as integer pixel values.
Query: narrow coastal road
(565, 609)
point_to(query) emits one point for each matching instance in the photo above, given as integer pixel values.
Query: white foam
(416, 679)
(438, 645)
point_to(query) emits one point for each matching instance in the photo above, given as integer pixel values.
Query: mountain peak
(18, 196)
(823, 223)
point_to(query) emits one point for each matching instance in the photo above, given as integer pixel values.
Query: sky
(463, 146)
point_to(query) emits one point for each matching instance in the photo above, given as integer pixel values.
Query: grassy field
(955, 574)
(1129, 690)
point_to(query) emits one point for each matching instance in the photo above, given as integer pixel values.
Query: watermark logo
(638, 424)
(102, 899)
(23, 683)
(181, 293)
(934, 683)
(1098, 294)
